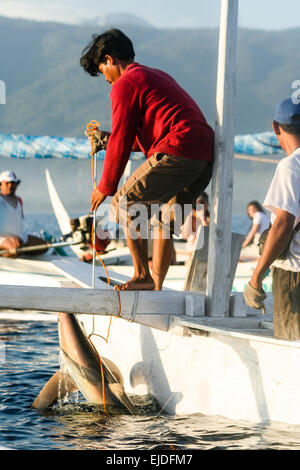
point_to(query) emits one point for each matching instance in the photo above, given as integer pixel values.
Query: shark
(97, 378)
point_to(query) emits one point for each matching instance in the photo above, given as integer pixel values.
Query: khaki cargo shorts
(161, 191)
(286, 293)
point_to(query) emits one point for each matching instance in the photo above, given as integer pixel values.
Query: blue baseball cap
(287, 112)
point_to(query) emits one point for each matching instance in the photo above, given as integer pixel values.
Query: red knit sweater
(152, 113)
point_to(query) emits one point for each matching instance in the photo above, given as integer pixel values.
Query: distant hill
(117, 18)
(49, 93)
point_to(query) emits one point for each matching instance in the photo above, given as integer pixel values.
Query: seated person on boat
(12, 235)
(260, 222)
(153, 114)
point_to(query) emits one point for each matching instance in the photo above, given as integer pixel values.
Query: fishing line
(93, 126)
(171, 396)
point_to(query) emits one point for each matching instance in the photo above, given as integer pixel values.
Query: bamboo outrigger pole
(218, 281)
(29, 249)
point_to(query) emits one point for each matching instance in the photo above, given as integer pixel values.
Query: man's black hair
(112, 42)
(291, 128)
(257, 206)
(202, 198)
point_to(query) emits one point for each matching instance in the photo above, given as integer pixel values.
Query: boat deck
(252, 325)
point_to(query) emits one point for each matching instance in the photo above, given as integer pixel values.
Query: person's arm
(100, 140)
(96, 199)
(126, 118)
(11, 243)
(278, 238)
(249, 238)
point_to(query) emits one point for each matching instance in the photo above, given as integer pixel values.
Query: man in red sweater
(153, 114)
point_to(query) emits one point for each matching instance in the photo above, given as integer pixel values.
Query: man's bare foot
(137, 283)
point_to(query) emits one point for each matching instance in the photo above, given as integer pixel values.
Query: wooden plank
(196, 273)
(194, 305)
(239, 308)
(196, 277)
(80, 273)
(230, 323)
(219, 255)
(236, 246)
(93, 301)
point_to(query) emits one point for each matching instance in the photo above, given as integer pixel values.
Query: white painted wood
(212, 324)
(222, 181)
(239, 308)
(194, 305)
(35, 272)
(81, 273)
(93, 301)
(196, 275)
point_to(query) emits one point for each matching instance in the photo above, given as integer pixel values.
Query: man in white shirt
(12, 235)
(283, 200)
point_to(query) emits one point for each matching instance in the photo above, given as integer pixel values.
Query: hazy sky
(259, 14)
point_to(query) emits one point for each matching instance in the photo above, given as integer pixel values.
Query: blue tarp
(264, 143)
(26, 146)
(30, 146)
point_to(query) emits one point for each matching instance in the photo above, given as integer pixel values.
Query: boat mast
(219, 251)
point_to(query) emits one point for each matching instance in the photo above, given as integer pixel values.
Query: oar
(26, 249)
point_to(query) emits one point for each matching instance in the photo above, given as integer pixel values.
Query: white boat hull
(37, 271)
(215, 371)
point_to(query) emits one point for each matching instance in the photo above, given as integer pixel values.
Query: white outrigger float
(199, 349)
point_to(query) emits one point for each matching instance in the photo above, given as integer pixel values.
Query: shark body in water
(98, 379)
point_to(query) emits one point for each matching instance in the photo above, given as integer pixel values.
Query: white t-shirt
(261, 219)
(11, 220)
(284, 193)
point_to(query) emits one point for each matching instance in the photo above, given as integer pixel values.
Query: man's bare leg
(163, 252)
(142, 279)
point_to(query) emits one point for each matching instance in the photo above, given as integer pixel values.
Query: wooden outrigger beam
(126, 304)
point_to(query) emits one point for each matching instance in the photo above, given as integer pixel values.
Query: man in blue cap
(283, 201)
